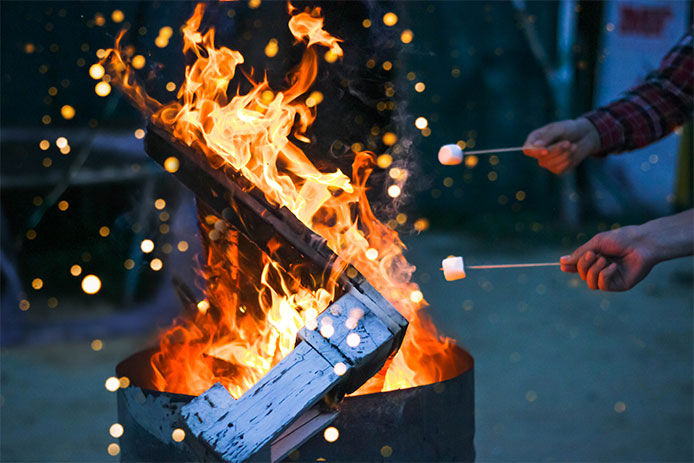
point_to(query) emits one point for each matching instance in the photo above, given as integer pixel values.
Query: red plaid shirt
(653, 109)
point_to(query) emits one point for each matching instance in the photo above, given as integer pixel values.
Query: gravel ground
(562, 372)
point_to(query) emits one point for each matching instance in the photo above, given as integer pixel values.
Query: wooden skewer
(542, 264)
(496, 150)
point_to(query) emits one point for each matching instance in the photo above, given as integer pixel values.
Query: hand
(561, 146)
(615, 260)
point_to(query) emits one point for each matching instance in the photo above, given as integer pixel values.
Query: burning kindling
(285, 247)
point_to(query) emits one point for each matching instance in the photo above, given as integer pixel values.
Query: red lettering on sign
(648, 21)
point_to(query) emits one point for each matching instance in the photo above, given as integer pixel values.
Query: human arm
(646, 113)
(617, 260)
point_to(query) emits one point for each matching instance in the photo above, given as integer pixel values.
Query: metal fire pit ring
(435, 422)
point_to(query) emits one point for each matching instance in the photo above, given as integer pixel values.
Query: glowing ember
(353, 340)
(178, 435)
(116, 430)
(112, 384)
(147, 246)
(331, 434)
(340, 369)
(113, 449)
(236, 341)
(91, 284)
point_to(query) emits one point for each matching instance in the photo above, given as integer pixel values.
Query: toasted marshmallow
(453, 268)
(450, 155)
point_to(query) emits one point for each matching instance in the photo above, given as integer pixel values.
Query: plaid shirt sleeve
(653, 109)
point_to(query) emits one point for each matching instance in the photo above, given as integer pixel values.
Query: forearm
(670, 237)
(651, 110)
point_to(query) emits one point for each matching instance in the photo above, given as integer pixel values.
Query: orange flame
(252, 133)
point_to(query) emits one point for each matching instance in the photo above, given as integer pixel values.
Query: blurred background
(562, 373)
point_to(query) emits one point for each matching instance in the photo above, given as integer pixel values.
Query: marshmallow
(450, 155)
(453, 268)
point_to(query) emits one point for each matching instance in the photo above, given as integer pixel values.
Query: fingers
(549, 134)
(533, 151)
(584, 263)
(537, 143)
(593, 273)
(568, 268)
(607, 277)
(572, 259)
(555, 164)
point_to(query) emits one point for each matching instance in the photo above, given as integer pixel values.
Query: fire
(238, 338)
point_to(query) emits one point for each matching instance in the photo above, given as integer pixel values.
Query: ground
(562, 372)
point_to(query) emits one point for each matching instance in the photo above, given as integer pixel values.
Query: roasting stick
(454, 267)
(543, 264)
(451, 155)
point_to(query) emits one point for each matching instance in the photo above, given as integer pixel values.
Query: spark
(406, 36)
(178, 435)
(389, 138)
(91, 284)
(384, 161)
(96, 71)
(117, 16)
(326, 330)
(112, 384)
(138, 61)
(394, 191)
(171, 164)
(353, 340)
(156, 264)
(390, 19)
(340, 369)
(116, 430)
(102, 88)
(271, 48)
(416, 296)
(113, 449)
(147, 246)
(331, 434)
(203, 306)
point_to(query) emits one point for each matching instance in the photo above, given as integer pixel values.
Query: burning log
(351, 341)
(245, 208)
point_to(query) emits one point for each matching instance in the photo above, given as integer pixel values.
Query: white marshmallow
(453, 268)
(450, 155)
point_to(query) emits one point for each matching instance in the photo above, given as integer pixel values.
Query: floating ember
(255, 304)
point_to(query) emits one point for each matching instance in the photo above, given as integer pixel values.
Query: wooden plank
(368, 295)
(296, 383)
(306, 426)
(244, 206)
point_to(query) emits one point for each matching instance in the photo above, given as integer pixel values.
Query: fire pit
(425, 423)
(307, 295)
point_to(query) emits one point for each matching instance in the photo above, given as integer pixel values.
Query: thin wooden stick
(496, 150)
(543, 264)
